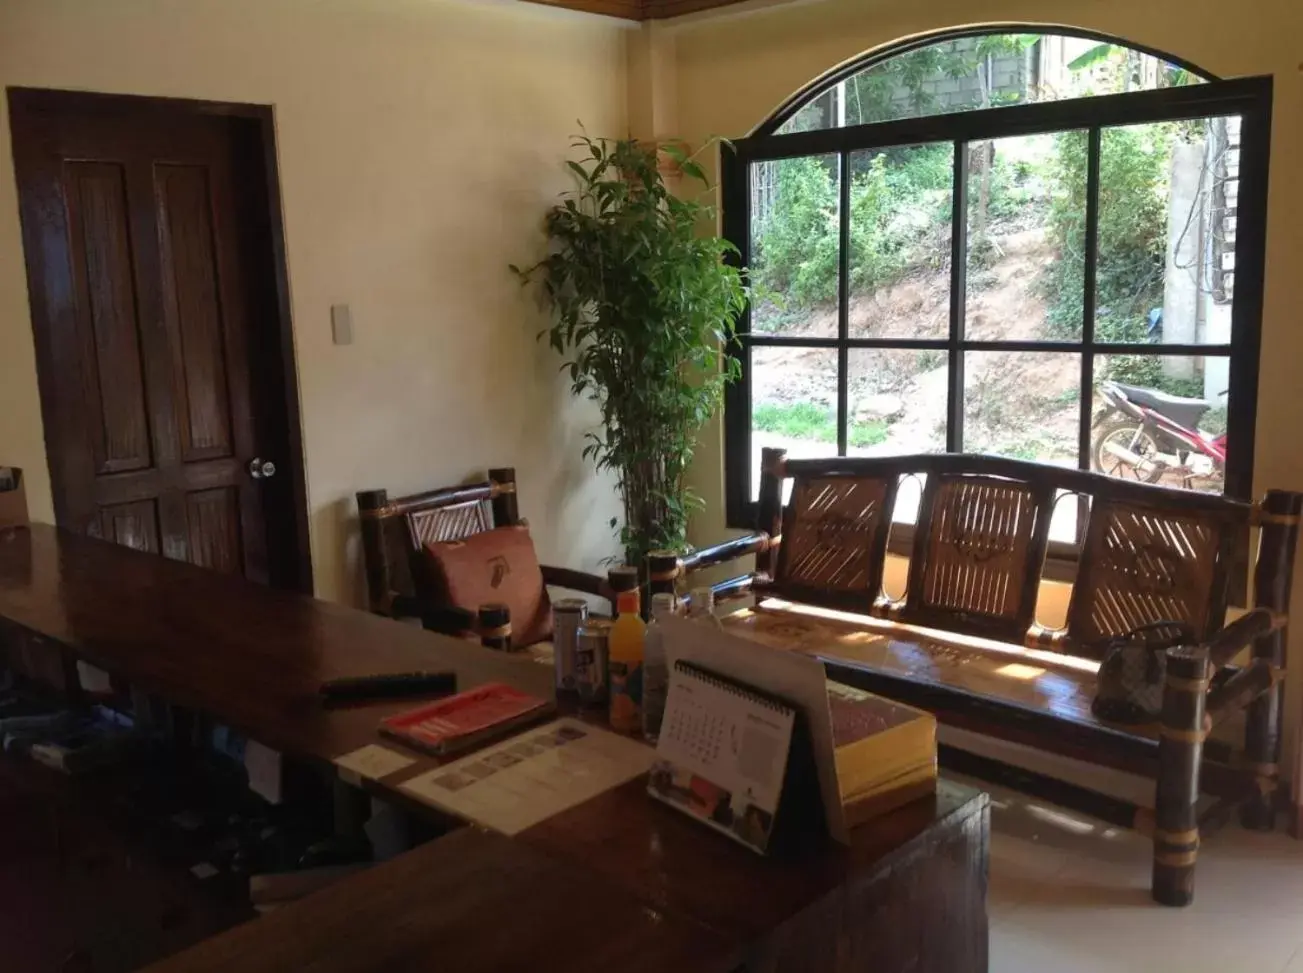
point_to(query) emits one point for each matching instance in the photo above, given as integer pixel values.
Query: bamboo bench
(964, 643)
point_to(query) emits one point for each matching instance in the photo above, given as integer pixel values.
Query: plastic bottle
(702, 607)
(626, 646)
(655, 667)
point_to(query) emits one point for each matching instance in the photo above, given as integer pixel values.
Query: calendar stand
(740, 760)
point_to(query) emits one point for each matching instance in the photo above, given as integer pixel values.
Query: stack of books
(886, 752)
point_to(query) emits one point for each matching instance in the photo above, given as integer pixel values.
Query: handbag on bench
(1131, 677)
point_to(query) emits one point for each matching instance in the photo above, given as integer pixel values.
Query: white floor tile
(1070, 894)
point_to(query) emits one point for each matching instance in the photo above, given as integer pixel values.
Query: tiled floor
(1069, 895)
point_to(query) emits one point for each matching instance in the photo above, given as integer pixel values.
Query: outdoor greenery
(812, 423)
(898, 201)
(642, 307)
(1025, 262)
(901, 209)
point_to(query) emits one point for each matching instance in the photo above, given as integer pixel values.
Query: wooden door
(147, 264)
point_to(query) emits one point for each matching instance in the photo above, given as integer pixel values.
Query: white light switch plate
(341, 324)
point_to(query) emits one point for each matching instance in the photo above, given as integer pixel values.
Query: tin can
(592, 656)
(568, 614)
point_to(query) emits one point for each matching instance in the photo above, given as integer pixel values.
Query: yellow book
(877, 740)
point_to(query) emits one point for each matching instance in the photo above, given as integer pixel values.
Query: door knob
(261, 469)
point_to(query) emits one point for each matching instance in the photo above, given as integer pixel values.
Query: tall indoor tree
(643, 305)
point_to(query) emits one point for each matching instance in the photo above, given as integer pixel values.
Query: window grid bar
(958, 299)
(945, 344)
(1090, 278)
(1249, 98)
(843, 300)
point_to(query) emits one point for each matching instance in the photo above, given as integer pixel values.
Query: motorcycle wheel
(1125, 432)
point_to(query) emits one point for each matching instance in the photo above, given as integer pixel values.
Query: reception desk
(617, 883)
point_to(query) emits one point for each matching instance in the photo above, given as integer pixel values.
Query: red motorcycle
(1145, 434)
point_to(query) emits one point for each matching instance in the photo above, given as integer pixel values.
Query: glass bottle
(702, 607)
(655, 666)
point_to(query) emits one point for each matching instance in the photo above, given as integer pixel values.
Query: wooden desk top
(246, 655)
(469, 902)
(680, 867)
(254, 658)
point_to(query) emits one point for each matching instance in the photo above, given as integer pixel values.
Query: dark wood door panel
(148, 261)
(193, 311)
(106, 316)
(214, 523)
(129, 524)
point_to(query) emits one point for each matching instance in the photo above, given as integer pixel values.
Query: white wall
(420, 142)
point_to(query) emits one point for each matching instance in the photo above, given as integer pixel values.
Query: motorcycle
(1145, 434)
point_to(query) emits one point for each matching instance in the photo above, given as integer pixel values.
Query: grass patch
(800, 420)
(871, 433)
(813, 423)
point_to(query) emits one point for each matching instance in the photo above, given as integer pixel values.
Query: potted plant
(643, 305)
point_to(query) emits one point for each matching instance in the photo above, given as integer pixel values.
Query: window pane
(795, 246)
(969, 73)
(1161, 419)
(1167, 222)
(897, 402)
(793, 403)
(1024, 405)
(1026, 229)
(901, 216)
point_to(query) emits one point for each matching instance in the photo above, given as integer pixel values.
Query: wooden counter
(909, 894)
(471, 902)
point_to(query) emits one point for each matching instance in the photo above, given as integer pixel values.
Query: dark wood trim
(1106, 111)
(294, 536)
(820, 85)
(958, 298)
(639, 10)
(1090, 296)
(735, 223)
(295, 452)
(843, 299)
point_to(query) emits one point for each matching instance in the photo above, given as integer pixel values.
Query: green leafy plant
(642, 305)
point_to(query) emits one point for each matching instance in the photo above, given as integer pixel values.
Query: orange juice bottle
(625, 667)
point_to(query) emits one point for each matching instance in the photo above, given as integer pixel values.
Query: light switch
(341, 324)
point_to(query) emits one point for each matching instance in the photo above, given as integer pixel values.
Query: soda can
(592, 657)
(568, 614)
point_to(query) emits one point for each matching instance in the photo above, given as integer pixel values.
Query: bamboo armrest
(581, 581)
(1241, 633)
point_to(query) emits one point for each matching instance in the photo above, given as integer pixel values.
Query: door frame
(294, 536)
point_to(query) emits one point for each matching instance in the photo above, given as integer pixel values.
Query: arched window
(979, 242)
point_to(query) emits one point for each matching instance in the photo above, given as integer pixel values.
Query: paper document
(263, 765)
(533, 776)
(370, 763)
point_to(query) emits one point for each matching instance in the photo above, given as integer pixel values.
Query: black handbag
(1129, 689)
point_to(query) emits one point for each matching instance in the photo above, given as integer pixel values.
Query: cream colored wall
(419, 141)
(735, 68)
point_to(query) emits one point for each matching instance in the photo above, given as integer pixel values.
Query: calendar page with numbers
(722, 754)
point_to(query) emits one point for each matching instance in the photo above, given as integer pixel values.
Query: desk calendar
(723, 754)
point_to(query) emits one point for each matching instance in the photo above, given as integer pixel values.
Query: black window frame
(1248, 98)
